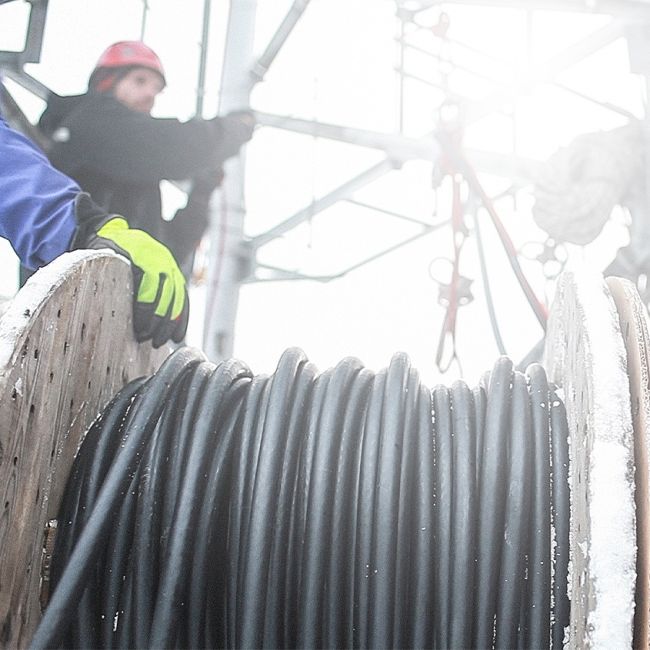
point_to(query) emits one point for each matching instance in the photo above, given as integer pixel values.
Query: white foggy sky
(338, 67)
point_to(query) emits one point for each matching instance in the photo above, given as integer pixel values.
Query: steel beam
(286, 274)
(31, 53)
(390, 213)
(25, 80)
(397, 147)
(547, 71)
(521, 170)
(225, 272)
(401, 148)
(342, 192)
(631, 8)
(264, 62)
(17, 118)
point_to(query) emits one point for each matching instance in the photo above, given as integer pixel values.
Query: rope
(208, 507)
(489, 301)
(577, 188)
(455, 160)
(448, 330)
(539, 309)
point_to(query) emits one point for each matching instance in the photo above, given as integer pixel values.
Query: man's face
(137, 90)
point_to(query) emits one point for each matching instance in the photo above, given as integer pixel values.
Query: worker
(109, 143)
(43, 213)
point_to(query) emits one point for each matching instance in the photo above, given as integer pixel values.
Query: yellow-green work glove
(161, 304)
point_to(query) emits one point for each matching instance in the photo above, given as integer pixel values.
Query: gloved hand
(245, 117)
(236, 129)
(161, 303)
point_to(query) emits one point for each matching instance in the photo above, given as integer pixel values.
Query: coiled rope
(208, 507)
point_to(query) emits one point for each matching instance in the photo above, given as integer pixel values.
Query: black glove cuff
(199, 199)
(90, 218)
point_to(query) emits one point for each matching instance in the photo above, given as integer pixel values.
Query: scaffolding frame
(239, 265)
(233, 262)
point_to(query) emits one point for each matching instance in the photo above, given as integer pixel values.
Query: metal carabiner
(551, 255)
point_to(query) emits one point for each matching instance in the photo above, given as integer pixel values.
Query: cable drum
(209, 507)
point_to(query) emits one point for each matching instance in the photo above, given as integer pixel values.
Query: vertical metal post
(143, 22)
(400, 89)
(205, 35)
(638, 250)
(228, 256)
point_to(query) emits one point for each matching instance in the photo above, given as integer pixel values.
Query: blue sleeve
(36, 201)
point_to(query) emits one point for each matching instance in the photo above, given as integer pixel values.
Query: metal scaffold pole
(225, 272)
(231, 257)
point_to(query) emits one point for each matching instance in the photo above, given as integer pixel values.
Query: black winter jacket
(120, 156)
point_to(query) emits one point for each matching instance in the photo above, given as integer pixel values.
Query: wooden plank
(585, 355)
(632, 315)
(66, 347)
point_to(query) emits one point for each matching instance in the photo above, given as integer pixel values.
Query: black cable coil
(208, 507)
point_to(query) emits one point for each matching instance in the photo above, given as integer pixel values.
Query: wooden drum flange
(586, 357)
(66, 347)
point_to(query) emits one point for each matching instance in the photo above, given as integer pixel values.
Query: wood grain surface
(66, 347)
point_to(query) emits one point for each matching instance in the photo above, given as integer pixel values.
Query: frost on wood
(586, 356)
(29, 299)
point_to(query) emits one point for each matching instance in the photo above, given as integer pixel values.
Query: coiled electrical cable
(208, 507)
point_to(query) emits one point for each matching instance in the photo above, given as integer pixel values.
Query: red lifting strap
(468, 172)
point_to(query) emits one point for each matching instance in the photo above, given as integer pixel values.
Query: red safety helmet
(129, 54)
